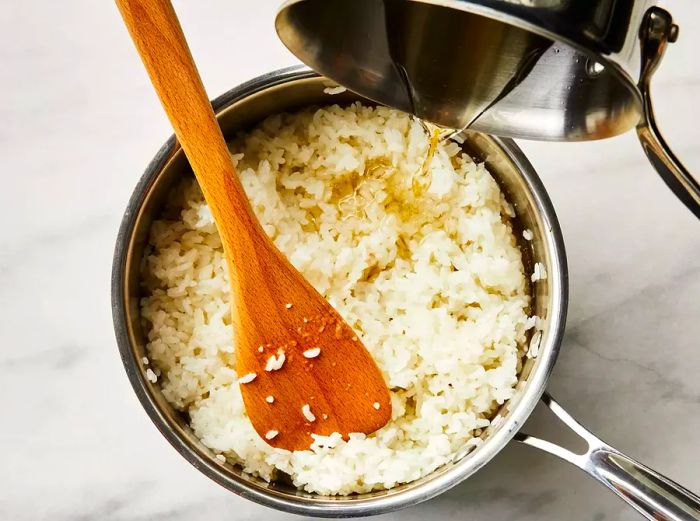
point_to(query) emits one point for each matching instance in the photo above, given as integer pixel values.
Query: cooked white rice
(538, 272)
(335, 90)
(424, 267)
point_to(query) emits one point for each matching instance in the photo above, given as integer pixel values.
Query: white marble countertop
(80, 122)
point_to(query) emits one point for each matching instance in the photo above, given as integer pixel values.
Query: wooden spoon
(302, 370)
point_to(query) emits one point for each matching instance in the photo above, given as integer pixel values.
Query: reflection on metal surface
(447, 103)
(594, 68)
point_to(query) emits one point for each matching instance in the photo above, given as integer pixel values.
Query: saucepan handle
(657, 31)
(654, 496)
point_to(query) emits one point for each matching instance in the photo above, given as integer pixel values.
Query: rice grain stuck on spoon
(277, 314)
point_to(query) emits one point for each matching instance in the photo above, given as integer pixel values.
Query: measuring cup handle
(671, 170)
(657, 31)
(654, 496)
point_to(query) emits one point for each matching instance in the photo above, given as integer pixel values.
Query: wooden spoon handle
(159, 39)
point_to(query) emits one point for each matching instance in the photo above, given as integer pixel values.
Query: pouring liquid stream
(436, 135)
(418, 95)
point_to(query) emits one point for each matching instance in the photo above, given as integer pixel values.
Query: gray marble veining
(79, 124)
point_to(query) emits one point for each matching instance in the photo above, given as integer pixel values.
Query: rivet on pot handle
(654, 496)
(656, 32)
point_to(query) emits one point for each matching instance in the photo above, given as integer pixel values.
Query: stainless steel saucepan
(650, 493)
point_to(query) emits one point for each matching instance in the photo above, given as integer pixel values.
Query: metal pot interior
(289, 90)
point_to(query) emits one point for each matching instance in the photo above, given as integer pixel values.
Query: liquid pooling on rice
(431, 280)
